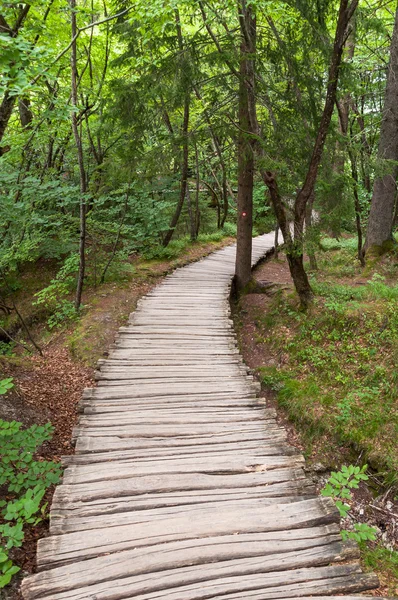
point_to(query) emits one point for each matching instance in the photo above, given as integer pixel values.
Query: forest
(136, 137)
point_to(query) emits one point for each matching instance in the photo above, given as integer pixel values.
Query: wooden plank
(155, 431)
(115, 442)
(220, 579)
(214, 465)
(288, 491)
(71, 547)
(195, 511)
(200, 452)
(175, 555)
(162, 484)
(142, 417)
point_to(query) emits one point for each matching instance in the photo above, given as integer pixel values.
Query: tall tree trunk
(197, 192)
(347, 131)
(357, 206)
(6, 108)
(192, 221)
(245, 147)
(185, 140)
(184, 173)
(79, 149)
(379, 233)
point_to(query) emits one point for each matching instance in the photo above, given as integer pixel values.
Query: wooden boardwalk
(183, 486)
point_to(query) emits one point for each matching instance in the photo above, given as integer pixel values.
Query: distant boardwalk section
(183, 486)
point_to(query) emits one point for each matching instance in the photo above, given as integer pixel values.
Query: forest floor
(48, 388)
(330, 375)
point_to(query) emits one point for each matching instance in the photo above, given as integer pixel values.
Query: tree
(294, 243)
(247, 100)
(379, 235)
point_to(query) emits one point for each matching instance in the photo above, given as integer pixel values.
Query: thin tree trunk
(6, 109)
(192, 223)
(215, 201)
(185, 141)
(197, 192)
(276, 241)
(112, 256)
(379, 233)
(344, 121)
(308, 227)
(184, 174)
(25, 113)
(79, 148)
(357, 206)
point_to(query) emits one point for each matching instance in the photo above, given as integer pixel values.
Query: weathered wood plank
(198, 511)
(222, 578)
(214, 465)
(71, 547)
(237, 550)
(203, 452)
(288, 491)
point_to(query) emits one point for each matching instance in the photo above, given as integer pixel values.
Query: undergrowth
(338, 373)
(24, 481)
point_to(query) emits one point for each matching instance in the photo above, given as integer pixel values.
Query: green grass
(385, 562)
(340, 375)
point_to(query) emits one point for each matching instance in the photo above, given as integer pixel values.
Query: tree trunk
(185, 142)
(379, 236)
(6, 109)
(357, 205)
(25, 113)
(79, 148)
(308, 227)
(276, 241)
(197, 192)
(192, 221)
(184, 174)
(245, 148)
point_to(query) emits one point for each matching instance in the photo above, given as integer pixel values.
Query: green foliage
(53, 297)
(7, 569)
(230, 229)
(338, 487)
(26, 481)
(6, 385)
(7, 349)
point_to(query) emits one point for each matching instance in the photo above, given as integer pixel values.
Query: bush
(26, 481)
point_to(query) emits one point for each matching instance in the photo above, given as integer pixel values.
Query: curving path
(183, 486)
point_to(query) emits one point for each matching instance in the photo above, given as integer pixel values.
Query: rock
(318, 467)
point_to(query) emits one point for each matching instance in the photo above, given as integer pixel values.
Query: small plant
(7, 348)
(26, 481)
(6, 385)
(64, 311)
(53, 297)
(338, 487)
